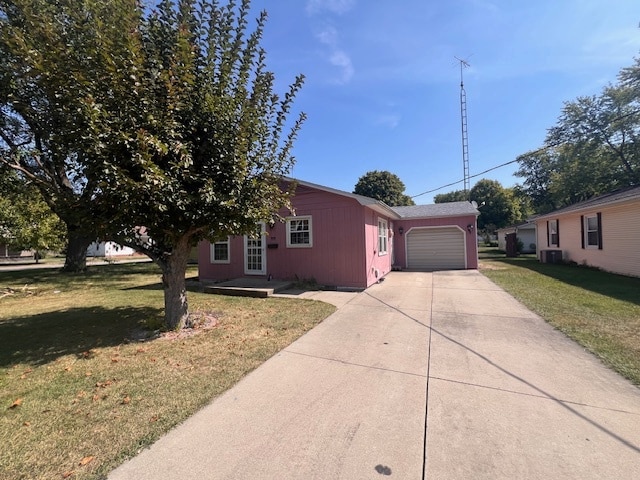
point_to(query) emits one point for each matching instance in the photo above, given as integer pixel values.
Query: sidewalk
(15, 266)
(439, 376)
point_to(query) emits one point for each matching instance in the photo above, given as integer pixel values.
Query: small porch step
(248, 287)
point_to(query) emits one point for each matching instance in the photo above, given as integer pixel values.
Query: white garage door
(438, 248)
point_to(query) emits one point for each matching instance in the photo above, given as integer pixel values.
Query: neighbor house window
(299, 232)
(382, 236)
(552, 232)
(220, 252)
(592, 231)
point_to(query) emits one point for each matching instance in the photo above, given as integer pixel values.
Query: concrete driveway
(427, 375)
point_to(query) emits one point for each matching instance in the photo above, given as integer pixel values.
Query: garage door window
(382, 236)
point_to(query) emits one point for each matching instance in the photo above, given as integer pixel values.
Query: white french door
(255, 252)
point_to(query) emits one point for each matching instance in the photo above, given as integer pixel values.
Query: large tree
(26, 221)
(593, 148)
(454, 196)
(62, 64)
(499, 206)
(384, 186)
(184, 138)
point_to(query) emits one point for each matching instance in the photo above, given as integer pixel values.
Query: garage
(436, 248)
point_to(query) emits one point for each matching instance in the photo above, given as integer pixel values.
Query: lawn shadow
(40, 339)
(97, 274)
(611, 285)
(150, 286)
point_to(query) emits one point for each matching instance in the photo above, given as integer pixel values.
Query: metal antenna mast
(463, 116)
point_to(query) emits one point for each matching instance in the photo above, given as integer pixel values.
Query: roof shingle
(601, 200)
(451, 209)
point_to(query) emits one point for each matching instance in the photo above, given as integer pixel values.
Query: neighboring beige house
(525, 232)
(601, 232)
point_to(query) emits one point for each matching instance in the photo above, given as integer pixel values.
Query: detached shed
(525, 232)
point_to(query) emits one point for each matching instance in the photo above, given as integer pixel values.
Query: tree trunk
(174, 269)
(76, 258)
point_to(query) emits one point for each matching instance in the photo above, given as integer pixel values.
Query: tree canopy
(498, 206)
(173, 128)
(593, 148)
(384, 186)
(454, 196)
(26, 221)
(65, 70)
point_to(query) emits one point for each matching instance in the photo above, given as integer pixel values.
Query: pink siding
(462, 222)
(337, 257)
(345, 244)
(377, 264)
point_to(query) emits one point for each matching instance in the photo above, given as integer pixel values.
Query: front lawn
(80, 387)
(599, 310)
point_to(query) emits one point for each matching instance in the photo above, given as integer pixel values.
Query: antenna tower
(463, 117)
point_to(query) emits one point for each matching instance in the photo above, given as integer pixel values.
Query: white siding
(108, 249)
(620, 239)
(436, 248)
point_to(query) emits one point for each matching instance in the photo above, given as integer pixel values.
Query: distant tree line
(594, 147)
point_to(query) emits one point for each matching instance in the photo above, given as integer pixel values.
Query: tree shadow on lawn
(40, 339)
(96, 274)
(611, 285)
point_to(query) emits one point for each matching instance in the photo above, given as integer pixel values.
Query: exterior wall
(108, 249)
(461, 222)
(337, 257)
(8, 252)
(377, 264)
(620, 233)
(527, 235)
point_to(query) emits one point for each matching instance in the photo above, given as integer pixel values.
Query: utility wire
(485, 171)
(471, 176)
(533, 152)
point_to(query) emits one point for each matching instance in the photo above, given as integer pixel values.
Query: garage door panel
(435, 248)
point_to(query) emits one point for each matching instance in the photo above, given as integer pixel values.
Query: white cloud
(328, 36)
(341, 60)
(390, 121)
(337, 56)
(334, 6)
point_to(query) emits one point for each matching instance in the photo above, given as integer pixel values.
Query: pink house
(344, 240)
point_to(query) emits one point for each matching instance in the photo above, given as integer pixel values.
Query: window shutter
(599, 215)
(558, 232)
(548, 235)
(582, 230)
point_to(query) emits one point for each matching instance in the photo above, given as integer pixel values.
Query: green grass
(599, 310)
(90, 393)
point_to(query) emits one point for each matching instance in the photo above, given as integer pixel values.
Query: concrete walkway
(439, 376)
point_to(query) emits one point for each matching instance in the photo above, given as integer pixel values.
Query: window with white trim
(220, 252)
(591, 231)
(553, 233)
(383, 239)
(299, 232)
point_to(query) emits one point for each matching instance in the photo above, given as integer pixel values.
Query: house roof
(520, 226)
(612, 198)
(450, 209)
(376, 205)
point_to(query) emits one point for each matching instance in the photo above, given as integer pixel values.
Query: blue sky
(383, 85)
